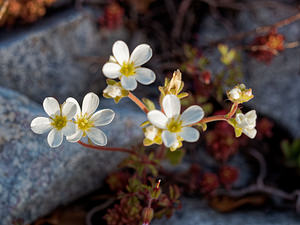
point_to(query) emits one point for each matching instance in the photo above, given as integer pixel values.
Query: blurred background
(58, 47)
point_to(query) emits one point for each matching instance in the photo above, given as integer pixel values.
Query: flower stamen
(59, 122)
(84, 123)
(127, 69)
(174, 125)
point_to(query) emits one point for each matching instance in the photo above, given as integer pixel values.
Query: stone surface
(196, 212)
(275, 86)
(58, 56)
(34, 179)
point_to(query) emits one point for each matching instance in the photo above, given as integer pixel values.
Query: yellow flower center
(127, 69)
(84, 123)
(59, 122)
(174, 125)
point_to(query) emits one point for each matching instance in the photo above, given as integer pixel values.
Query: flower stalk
(138, 102)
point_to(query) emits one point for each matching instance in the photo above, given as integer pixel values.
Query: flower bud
(147, 216)
(114, 90)
(240, 94)
(175, 84)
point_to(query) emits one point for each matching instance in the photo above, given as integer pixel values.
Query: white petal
(251, 116)
(111, 70)
(69, 109)
(189, 134)
(103, 117)
(251, 133)
(69, 129)
(240, 119)
(244, 122)
(40, 125)
(55, 138)
(75, 137)
(128, 83)
(90, 103)
(192, 115)
(73, 100)
(121, 52)
(97, 136)
(51, 106)
(168, 138)
(171, 105)
(144, 75)
(141, 54)
(235, 93)
(157, 118)
(112, 59)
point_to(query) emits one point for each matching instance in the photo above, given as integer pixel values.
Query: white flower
(113, 91)
(175, 125)
(59, 122)
(128, 67)
(235, 93)
(247, 122)
(87, 120)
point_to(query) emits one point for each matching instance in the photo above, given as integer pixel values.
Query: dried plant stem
(292, 44)
(138, 102)
(102, 148)
(184, 6)
(262, 29)
(260, 187)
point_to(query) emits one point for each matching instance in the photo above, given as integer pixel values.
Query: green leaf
(111, 82)
(238, 132)
(183, 95)
(145, 123)
(149, 104)
(175, 157)
(208, 108)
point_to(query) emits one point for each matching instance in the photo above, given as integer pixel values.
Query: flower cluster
(167, 126)
(73, 122)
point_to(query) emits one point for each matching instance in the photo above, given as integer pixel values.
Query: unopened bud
(147, 216)
(156, 190)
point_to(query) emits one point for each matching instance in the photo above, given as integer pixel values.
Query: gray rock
(59, 56)
(275, 86)
(34, 179)
(196, 212)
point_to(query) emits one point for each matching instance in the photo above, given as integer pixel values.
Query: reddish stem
(220, 117)
(102, 148)
(213, 118)
(233, 110)
(138, 102)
